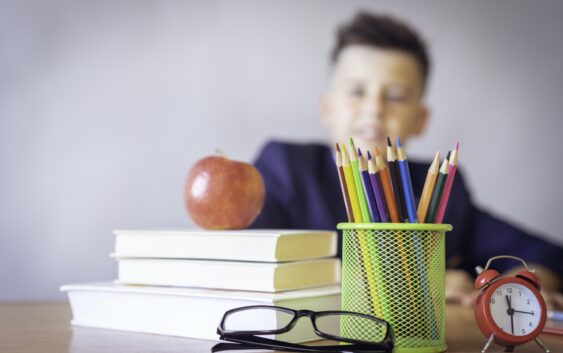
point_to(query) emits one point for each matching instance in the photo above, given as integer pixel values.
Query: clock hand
(524, 312)
(510, 312)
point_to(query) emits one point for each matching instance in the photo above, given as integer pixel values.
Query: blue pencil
(411, 213)
(406, 182)
(368, 190)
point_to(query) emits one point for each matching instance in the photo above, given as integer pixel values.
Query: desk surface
(44, 327)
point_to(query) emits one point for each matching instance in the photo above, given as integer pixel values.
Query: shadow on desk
(45, 327)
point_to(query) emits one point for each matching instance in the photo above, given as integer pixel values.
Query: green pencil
(437, 194)
(358, 182)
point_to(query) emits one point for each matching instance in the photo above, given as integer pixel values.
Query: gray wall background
(105, 105)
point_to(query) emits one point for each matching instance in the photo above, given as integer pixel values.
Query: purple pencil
(377, 190)
(368, 189)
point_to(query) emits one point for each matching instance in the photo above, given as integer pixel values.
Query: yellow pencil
(363, 245)
(350, 183)
(428, 188)
(358, 180)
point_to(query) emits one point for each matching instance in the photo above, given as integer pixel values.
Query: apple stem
(220, 152)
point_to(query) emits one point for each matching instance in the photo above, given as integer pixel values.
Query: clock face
(515, 309)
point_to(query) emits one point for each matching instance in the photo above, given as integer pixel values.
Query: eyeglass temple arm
(223, 346)
(281, 345)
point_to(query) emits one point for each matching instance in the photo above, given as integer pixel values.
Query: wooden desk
(44, 327)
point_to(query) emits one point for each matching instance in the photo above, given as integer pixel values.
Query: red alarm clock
(510, 311)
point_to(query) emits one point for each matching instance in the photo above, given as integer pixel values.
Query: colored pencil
(403, 164)
(368, 189)
(379, 274)
(351, 185)
(395, 180)
(429, 184)
(362, 245)
(386, 186)
(448, 185)
(358, 182)
(406, 182)
(437, 194)
(343, 186)
(383, 173)
(370, 259)
(377, 189)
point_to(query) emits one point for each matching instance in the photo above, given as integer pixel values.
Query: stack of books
(180, 282)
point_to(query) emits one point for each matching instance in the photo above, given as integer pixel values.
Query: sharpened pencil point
(337, 148)
(389, 142)
(369, 155)
(359, 152)
(377, 153)
(457, 146)
(398, 142)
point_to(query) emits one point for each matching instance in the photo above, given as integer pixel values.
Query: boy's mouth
(370, 135)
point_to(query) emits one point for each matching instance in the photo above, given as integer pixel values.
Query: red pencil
(448, 185)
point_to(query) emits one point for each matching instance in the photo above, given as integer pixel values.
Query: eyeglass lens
(341, 325)
(258, 319)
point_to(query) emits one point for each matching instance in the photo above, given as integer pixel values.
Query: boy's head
(379, 72)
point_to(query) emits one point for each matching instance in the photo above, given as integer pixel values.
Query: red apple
(223, 194)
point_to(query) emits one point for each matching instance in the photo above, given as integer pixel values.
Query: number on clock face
(515, 309)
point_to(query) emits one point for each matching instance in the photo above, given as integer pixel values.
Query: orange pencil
(428, 188)
(343, 186)
(386, 185)
(394, 215)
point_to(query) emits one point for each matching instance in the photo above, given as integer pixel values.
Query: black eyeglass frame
(250, 337)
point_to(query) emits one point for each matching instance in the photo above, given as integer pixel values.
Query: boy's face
(374, 93)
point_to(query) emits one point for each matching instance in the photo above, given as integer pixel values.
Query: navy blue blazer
(303, 192)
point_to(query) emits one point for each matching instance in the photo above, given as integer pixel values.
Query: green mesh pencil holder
(396, 271)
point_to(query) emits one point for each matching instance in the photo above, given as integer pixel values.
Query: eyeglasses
(245, 325)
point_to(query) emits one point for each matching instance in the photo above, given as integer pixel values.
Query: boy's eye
(396, 94)
(356, 91)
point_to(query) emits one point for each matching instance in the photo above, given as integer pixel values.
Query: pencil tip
(359, 152)
(369, 155)
(389, 142)
(337, 147)
(457, 146)
(448, 156)
(398, 142)
(377, 153)
(351, 142)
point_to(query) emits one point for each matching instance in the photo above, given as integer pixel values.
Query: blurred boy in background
(380, 67)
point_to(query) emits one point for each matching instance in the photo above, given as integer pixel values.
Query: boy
(380, 68)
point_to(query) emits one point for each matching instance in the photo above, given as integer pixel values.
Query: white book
(186, 312)
(267, 245)
(235, 275)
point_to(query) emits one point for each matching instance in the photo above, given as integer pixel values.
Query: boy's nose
(373, 107)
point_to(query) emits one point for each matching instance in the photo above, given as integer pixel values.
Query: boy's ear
(422, 120)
